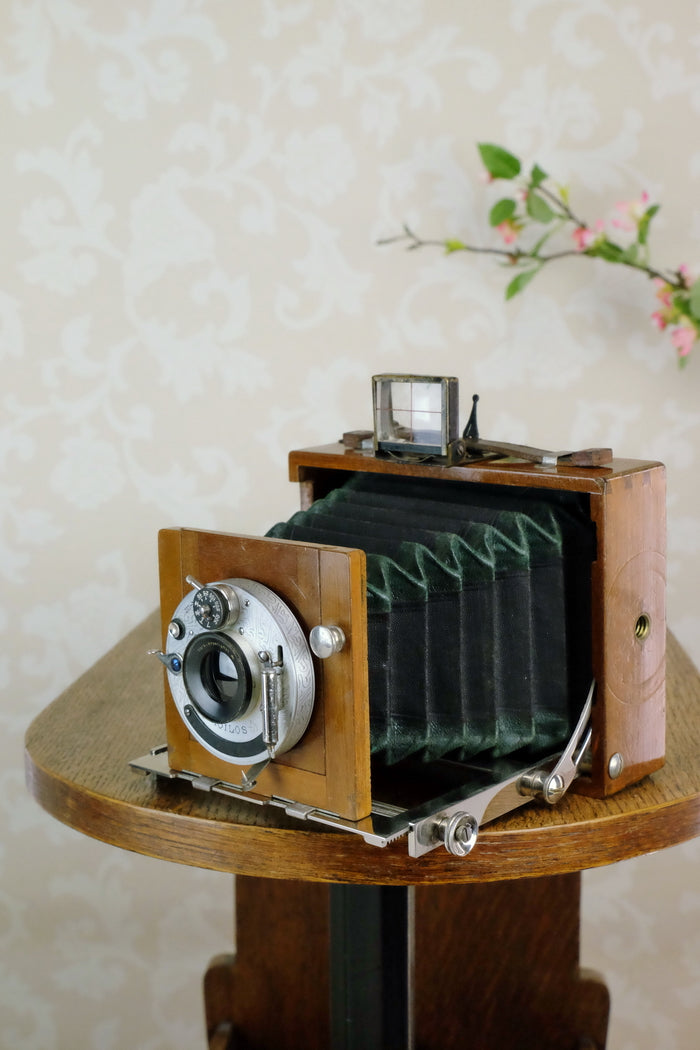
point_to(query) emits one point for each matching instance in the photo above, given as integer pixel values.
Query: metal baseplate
(452, 819)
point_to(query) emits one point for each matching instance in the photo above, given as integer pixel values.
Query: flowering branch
(534, 204)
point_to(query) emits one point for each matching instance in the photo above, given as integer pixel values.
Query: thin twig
(517, 256)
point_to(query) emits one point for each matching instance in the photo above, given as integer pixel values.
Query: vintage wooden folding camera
(447, 628)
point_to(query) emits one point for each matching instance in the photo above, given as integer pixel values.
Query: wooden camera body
(329, 770)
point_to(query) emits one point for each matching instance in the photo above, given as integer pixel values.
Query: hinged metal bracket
(452, 820)
(550, 786)
(456, 825)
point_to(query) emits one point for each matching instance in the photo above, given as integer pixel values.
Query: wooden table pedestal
(342, 945)
(386, 968)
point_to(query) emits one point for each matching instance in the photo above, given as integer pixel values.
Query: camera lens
(220, 677)
(217, 677)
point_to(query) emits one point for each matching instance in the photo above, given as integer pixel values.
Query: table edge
(322, 855)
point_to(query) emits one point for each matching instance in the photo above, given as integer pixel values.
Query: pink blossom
(508, 230)
(631, 213)
(663, 292)
(585, 237)
(683, 339)
(659, 319)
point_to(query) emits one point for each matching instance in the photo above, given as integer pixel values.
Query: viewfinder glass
(414, 413)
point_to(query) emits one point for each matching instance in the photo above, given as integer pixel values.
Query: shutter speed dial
(215, 605)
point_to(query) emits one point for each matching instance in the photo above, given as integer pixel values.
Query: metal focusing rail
(452, 820)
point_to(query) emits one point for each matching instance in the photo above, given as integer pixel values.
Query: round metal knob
(326, 640)
(458, 833)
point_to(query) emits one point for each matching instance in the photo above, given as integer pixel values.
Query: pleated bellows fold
(478, 611)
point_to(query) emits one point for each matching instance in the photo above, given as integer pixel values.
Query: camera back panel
(627, 506)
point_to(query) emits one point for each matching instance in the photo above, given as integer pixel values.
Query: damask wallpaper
(192, 195)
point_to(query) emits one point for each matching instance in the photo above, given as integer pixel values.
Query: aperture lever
(173, 661)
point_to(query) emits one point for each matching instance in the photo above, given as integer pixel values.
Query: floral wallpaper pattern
(192, 195)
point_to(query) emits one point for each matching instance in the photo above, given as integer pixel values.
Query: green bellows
(478, 611)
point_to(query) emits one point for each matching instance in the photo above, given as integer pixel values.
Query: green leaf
(630, 254)
(454, 246)
(537, 177)
(607, 250)
(502, 211)
(538, 209)
(681, 302)
(643, 227)
(694, 299)
(499, 163)
(520, 282)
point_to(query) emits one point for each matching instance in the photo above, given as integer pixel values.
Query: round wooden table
(485, 946)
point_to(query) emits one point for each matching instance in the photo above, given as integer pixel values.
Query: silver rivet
(615, 765)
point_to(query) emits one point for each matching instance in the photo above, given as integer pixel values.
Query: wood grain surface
(77, 764)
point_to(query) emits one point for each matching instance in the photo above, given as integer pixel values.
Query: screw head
(554, 788)
(458, 833)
